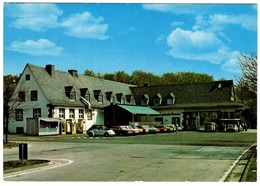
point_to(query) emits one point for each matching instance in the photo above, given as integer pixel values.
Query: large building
(49, 101)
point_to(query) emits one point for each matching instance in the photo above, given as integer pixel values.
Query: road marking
(224, 177)
(55, 163)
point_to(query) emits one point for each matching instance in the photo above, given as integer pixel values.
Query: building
(77, 100)
(189, 105)
(49, 101)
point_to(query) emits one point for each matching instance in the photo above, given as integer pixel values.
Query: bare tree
(248, 66)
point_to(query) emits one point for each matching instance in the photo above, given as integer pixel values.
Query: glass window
(169, 101)
(34, 95)
(81, 113)
(21, 95)
(143, 101)
(27, 77)
(73, 96)
(19, 114)
(72, 113)
(156, 101)
(62, 113)
(89, 115)
(36, 113)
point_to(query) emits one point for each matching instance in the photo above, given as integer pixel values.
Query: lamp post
(6, 121)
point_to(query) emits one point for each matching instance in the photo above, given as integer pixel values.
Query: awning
(50, 119)
(139, 109)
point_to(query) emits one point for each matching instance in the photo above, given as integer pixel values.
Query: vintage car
(170, 127)
(161, 128)
(210, 127)
(101, 131)
(122, 130)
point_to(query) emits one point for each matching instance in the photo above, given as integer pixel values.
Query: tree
(246, 87)
(90, 73)
(9, 84)
(248, 66)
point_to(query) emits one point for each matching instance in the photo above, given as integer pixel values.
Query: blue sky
(157, 38)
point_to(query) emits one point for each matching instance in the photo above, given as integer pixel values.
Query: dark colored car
(122, 130)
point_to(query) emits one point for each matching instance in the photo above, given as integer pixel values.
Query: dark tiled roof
(55, 87)
(217, 93)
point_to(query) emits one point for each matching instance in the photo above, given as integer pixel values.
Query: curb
(236, 170)
(54, 163)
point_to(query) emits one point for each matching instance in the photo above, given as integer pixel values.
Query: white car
(101, 131)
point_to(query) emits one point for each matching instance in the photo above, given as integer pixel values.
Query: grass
(19, 165)
(252, 170)
(11, 145)
(180, 138)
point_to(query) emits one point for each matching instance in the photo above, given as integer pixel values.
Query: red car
(122, 130)
(161, 128)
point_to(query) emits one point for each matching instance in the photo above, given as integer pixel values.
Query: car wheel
(106, 134)
(90, 134)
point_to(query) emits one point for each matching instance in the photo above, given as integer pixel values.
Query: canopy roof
(139, 109)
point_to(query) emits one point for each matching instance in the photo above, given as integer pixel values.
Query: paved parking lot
(106, 161)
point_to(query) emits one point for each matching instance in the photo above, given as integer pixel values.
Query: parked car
(153, 130)
(137, 130)
(210, 127)
(101, 131)
(144, 128)
(141, 130)
(170, 127)
(122, 130)
(161, 128)
(232, 128)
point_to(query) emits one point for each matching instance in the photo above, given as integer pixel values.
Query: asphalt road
(129, 162)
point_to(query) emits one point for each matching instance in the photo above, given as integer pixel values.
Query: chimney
(74, 73)
(50, 69)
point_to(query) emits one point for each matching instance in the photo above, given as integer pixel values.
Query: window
(143, 101)
(36, 113)
(70, 93)
(72, 113)
(62, 113)
(21, 95)
(100, 98)
(81, 113)
(98, 95)
(34, 95)
(170, 99)
(19, 114)
(87, 96)
(156, 101)
(27, 77)
(89, 115)
(73, 96)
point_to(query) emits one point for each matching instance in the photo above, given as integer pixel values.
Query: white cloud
(177, 23)
(37, 17)
(198, 45)
(41, 47)
(85, 26)
(160, 38)
(193, 9)
(218, 22)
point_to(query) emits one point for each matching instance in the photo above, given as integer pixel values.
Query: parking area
(160, 157)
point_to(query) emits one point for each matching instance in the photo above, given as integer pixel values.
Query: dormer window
(157, 99)
(70, 93)
(110, 97)
(98, 96)
(84, 92)
(73, 96)
(170, 99)
(129, 98)
(120, 98)
(145, 99)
